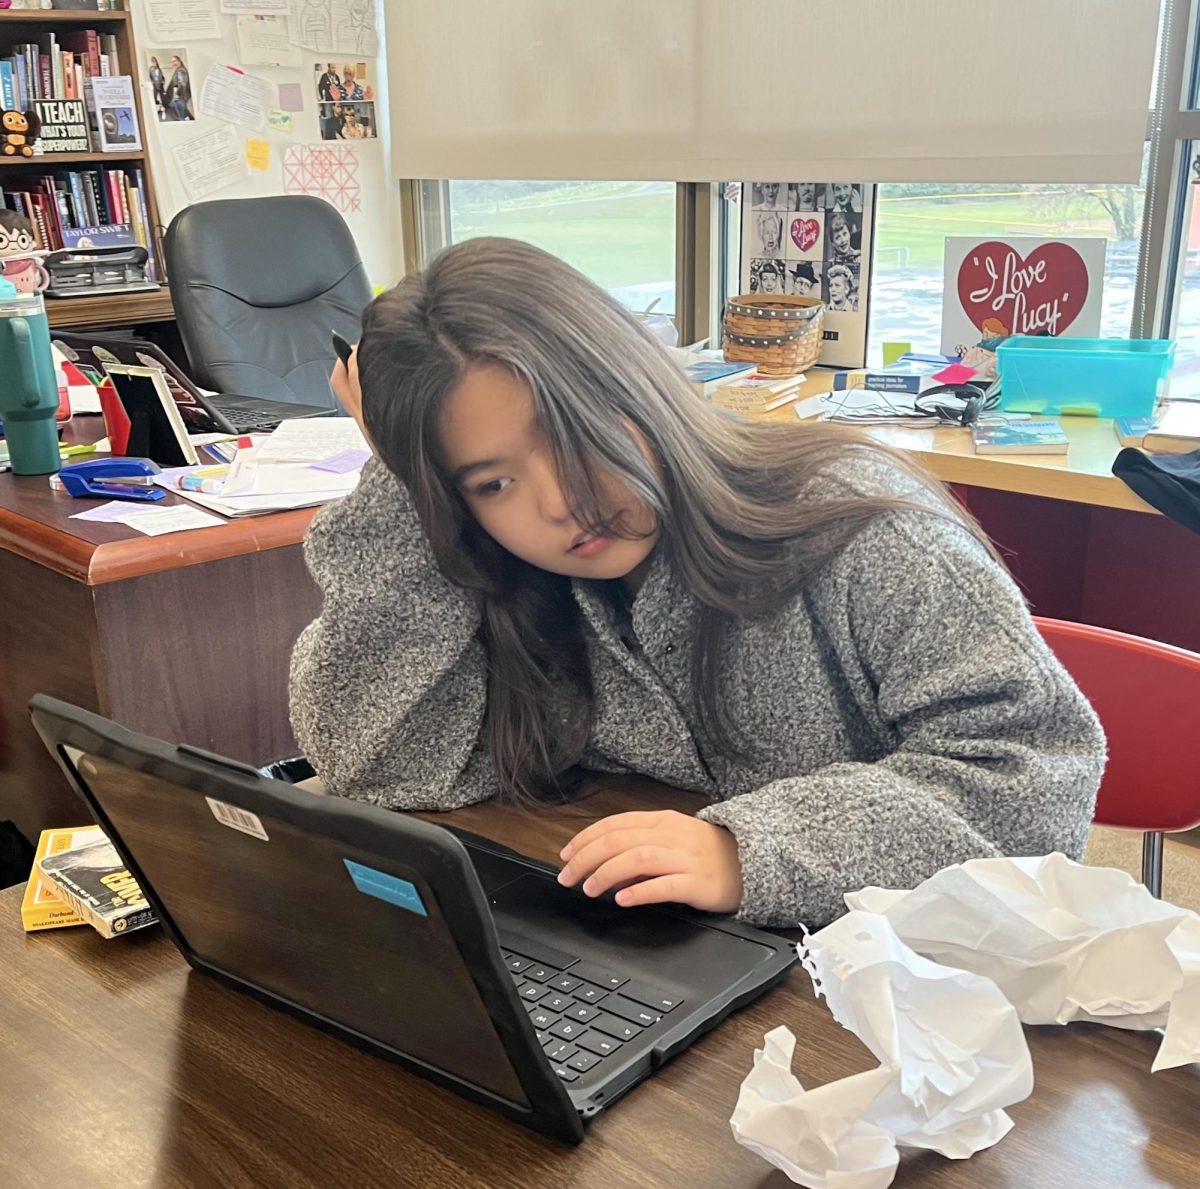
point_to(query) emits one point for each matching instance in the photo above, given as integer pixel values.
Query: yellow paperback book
(42, 908)
(94, 881)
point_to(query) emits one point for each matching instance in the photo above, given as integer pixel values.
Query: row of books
(56, 66)
(64, 205)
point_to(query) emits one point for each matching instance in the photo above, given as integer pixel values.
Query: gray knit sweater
(904, 717)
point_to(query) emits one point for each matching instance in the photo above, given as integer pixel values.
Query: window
(912, 222)
(621, 234)
(1185, 380)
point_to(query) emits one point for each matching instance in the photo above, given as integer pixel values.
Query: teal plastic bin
(1087, 377)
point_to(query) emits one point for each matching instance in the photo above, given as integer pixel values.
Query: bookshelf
(27, 25)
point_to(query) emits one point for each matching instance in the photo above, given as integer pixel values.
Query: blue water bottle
(28, 386)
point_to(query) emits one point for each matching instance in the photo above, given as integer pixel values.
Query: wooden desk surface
(118, 1067)
(1083, 475)
(35, 523)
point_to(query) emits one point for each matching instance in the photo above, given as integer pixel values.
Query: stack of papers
(304, 462)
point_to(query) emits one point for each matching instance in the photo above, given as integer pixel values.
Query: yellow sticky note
(893, 351)
(258, 153)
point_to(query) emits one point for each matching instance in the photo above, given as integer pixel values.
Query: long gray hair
(727, 493)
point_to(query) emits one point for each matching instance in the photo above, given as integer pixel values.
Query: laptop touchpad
(690, 950)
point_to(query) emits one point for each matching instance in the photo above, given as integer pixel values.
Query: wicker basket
(778, 333)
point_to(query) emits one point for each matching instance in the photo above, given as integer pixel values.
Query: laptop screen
(347, 934)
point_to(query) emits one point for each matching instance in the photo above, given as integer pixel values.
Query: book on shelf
(1177, 430)
(93, 881)
(707, 375)
(41, 907)
(64, 206)
(1020, 437)
(55, 66)
(117, 129)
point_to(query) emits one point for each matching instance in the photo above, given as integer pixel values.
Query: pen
(342, 348)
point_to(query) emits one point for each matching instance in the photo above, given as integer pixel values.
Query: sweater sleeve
(990, 747)
(388, 685)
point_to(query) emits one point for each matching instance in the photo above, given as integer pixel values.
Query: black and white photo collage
(806, 239)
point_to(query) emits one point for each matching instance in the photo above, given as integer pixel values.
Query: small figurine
(19, 254)
(19, 129)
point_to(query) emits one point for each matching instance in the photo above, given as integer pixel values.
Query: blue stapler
(102, 478)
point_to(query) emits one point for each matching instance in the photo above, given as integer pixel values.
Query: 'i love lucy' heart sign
(805, 233)
(1020, 285)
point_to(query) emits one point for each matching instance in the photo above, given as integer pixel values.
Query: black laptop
(457, 957)
(201, 413)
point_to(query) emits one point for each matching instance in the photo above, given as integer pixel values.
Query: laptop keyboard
(582, 1013)
(246, 418)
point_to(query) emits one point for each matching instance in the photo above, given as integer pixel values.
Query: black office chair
(257, 285)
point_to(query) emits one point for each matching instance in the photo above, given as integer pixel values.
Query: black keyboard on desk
(582, 1012)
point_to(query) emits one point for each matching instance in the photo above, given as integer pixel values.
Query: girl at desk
(563, 557)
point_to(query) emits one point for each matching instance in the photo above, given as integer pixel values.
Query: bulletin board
(247, 98)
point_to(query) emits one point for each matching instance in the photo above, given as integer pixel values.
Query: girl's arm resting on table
(388, 685)
(995, 749)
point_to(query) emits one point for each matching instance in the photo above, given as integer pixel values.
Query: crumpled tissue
(951, 1056)
(1063, 942)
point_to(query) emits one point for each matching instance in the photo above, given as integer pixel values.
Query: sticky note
(956, 373)
(279, 121)
(291, 97)
(343, 462)
(893, 351)
(258, 153)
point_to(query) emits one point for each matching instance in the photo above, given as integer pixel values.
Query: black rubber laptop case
(398, 935)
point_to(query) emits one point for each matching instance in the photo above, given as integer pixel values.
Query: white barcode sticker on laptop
(237, 819)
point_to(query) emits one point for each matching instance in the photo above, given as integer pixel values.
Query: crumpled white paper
(951, 1056)
(1063, 942)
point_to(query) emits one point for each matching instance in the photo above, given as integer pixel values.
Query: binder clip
(112, 478)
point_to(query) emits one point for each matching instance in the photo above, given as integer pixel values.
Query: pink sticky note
(291, 97)
(956, 373)
(339, 464)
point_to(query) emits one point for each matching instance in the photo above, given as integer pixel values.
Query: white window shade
(703, 90)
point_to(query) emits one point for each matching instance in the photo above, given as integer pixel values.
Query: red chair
(1148, 698)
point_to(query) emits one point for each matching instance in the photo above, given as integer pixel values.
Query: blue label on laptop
(386, 887)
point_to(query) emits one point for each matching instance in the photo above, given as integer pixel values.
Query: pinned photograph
(843, 238)
(840, 289)
(804, 279)
(768, 196)
(345, 101)
(802, 196)
(171, 84)
(767, 276)
(767, 234)
(844, 196)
